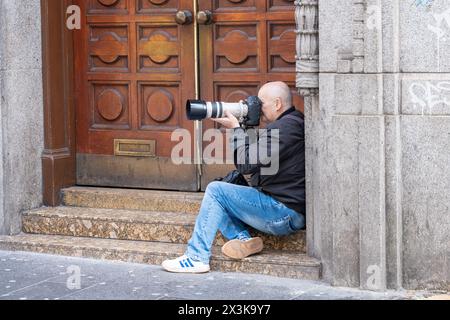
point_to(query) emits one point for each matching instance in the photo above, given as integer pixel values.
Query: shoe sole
(239, 250)
(168, 269)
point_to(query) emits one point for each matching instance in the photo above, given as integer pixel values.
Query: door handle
(205, 17)
(184, 17)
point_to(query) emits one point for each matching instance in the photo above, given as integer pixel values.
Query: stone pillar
(21, 121)
(378, 172)
(419, 123)
(307, 18)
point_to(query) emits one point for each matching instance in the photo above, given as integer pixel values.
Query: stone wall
(379, 144)
(21, 125)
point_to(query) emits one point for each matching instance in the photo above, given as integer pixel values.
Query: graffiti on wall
(429, 95)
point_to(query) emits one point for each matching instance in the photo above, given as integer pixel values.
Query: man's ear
(278, 104)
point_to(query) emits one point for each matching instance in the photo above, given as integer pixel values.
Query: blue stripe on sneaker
(190, 262)
(182, 265)
(186, 264)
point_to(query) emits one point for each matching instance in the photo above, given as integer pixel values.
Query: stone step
(173, 227)
(280, 264)
(132, 199)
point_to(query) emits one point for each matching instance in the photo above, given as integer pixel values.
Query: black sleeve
(253, 152)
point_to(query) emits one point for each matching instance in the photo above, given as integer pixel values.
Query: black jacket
(287, 185)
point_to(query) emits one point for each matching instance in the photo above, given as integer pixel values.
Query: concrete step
(280, 264)
(132, 199)
(172, 227)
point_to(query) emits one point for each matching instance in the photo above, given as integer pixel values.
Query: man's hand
(230, 122)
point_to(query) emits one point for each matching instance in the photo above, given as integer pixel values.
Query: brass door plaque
(135, 148)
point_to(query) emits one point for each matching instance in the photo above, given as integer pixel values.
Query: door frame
(59, 156)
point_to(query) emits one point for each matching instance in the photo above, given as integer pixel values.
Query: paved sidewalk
(28, 276)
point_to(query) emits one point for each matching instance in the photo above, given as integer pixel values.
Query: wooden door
(248, 43)
(135, 69)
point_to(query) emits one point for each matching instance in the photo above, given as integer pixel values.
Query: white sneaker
(185, 264)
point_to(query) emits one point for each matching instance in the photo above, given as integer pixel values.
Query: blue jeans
(230, 209)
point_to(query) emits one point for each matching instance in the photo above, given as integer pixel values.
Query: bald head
(276, 98)
(278, 90)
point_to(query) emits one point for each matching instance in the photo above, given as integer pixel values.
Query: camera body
(248, 112)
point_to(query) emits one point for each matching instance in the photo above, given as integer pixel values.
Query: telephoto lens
(248, 112)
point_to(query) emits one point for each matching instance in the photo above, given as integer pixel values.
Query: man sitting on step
(275, 204)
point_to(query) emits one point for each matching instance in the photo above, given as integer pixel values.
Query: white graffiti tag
(439, 29)
(428, 96)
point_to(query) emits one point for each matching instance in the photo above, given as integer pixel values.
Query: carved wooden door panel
(134, 69)
(246, 44)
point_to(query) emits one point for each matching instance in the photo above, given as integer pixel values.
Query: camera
(248, 112)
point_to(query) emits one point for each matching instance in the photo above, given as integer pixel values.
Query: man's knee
(215, 187)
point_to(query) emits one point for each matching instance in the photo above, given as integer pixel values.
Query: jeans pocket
(280, 227)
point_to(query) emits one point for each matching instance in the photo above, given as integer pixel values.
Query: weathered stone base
(144, 226)
(275, 263)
